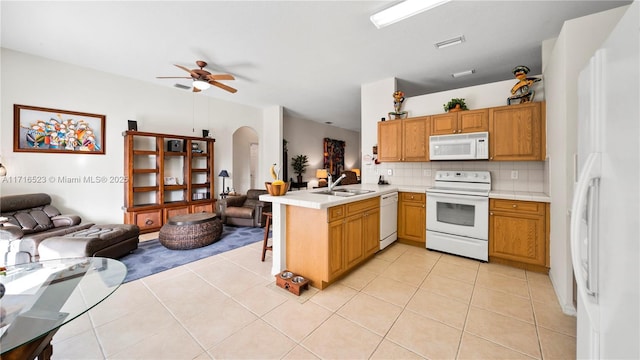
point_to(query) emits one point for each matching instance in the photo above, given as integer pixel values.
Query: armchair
(244, 210)
(352, 178)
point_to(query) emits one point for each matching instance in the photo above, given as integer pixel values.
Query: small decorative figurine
(521, 90)
(398, 99)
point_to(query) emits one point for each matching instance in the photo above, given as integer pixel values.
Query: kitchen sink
(343, 192)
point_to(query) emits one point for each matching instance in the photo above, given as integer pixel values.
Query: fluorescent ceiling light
(403, 10)
(450, 42)
(463, 73)
(201, 85)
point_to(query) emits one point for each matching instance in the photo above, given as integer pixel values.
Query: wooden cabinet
(517, 132)
(412, 218)
(404, 140)
(519, 234)
(460, 122)
(167, 175)
(390, 140)
(323, 245)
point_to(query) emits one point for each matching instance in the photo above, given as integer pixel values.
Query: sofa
(30, 226)
(245, 210)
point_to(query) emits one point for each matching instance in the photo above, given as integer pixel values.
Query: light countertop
(309, 198)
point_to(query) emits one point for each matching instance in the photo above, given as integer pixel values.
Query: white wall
(376, 102)
(35, 81)
(305, 137)
(571, 52)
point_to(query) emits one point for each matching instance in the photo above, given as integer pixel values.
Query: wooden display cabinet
(167, 175)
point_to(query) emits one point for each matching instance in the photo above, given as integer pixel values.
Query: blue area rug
(151, 257)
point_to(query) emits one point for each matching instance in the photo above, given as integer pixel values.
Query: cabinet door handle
(491, 213)
(148, 222)
(454, 131)
(514, 206)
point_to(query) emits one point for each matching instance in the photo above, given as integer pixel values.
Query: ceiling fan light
(403, 11)
(201, 85)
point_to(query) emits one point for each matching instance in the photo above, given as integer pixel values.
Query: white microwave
(470, 146)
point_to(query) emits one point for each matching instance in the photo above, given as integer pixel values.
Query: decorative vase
(456, 108)
(277, 190)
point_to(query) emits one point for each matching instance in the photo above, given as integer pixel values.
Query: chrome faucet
(332, 184)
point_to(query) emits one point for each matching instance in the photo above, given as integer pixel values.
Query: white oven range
(458, 213)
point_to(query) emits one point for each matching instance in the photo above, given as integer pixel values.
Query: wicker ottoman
(190, 231)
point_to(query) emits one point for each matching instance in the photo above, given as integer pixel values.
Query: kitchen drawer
(517, 206)
(336, 212)
(413, 197)
(149, 219)
(360, 206)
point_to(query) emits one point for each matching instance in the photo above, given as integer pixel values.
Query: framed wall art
(37, 129)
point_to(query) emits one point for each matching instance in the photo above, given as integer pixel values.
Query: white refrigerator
(605, 216)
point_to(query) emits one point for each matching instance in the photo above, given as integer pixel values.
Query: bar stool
(266, 234)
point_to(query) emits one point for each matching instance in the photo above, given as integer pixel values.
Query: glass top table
(40, 297)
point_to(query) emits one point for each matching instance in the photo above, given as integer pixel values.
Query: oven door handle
(455, 196)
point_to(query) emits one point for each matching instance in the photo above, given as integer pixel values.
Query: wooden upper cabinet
(460, 122)
(404, 140)
(390, 140)
(517, 132)
(444, 124)
(415, 139)
(473, 121)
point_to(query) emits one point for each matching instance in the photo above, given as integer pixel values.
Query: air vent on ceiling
(183, 87)
(450, 42)
(463, 73)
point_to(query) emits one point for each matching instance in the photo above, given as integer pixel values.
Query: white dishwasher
(388, 219)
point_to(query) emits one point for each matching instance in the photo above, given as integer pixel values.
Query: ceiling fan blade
(220, 77)
(223, 86)
(195, 89)
(194, 74)
(174, 77)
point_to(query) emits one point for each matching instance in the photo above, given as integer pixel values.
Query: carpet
(151, 257)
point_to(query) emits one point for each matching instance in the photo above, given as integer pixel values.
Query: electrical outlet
(426, 172)
(514, 175)
(390, 172)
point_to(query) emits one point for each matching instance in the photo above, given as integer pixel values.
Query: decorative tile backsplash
(530, 174)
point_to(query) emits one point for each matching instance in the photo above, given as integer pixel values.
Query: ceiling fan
(202, 79)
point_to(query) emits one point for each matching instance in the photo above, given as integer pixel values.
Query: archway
(245, 159)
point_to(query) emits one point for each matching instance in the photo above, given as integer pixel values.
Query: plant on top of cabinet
(455, 104)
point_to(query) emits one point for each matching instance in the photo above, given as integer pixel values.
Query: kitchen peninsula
(323, 236)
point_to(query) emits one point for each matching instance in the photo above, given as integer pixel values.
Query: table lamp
(322, 174)
(223, 174)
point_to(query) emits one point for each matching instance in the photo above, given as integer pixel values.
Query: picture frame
(133, 125)
(46, 130)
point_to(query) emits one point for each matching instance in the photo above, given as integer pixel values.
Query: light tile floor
(405, 303)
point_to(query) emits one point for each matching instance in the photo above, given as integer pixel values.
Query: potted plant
(299, 164)
(455, 105)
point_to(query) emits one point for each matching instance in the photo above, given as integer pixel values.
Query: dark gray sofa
(30, 219)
